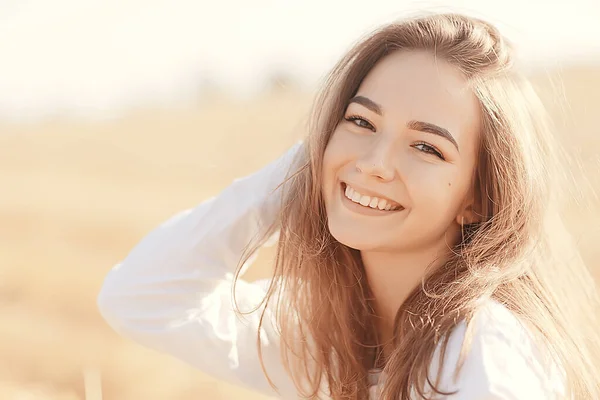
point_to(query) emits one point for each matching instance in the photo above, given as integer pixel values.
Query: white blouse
(172, 293)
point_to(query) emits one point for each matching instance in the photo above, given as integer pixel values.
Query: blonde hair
(324, 306)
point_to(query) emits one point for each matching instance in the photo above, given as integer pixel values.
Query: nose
(377, 161)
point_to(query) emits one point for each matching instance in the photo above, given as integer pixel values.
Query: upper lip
(372, 193)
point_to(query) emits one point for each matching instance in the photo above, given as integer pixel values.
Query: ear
(469, 213)
(468, 216)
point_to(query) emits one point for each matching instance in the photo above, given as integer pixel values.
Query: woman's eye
(360, 122)
(425, 148)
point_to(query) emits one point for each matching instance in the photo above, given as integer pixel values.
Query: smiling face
(398, 169)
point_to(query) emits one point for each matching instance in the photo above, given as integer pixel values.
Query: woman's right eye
(360, 122)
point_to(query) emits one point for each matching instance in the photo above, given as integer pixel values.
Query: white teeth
(365, 200)
(368, 201)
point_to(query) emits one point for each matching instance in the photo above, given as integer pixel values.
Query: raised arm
(172, 292)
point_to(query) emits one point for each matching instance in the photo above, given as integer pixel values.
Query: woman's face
(398, 169)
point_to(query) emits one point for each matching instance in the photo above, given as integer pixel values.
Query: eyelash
(429, 148)
(432, 150)
(354, 118)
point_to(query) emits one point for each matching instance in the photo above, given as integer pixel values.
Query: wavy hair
(516, 254)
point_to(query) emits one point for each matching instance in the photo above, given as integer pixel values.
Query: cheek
(332, 161)
(338, 154)
(328, 168)
(437, 193)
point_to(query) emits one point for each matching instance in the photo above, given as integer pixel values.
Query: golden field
(77, 195)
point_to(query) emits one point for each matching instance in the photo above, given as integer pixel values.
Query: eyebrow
(434, 129)
(414, 125)
(368, 103)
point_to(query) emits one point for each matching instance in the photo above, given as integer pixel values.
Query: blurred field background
(78, 193)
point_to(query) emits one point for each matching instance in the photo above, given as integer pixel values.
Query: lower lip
(360, 209)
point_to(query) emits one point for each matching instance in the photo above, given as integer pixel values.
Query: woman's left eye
(426, 148)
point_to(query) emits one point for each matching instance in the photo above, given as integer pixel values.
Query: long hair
(517, 254)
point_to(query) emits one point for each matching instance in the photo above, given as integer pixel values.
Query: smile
(373, 202)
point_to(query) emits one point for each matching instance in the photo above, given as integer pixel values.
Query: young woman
(418, 254)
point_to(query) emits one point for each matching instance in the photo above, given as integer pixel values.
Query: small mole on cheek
(449, 184)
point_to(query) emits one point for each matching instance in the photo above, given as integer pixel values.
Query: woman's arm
(172, 292)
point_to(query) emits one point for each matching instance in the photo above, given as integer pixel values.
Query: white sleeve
(503, 362)
(172, 292)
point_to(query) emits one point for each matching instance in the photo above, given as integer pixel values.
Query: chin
(355, 239)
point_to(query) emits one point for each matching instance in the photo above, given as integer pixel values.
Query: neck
(392, 276)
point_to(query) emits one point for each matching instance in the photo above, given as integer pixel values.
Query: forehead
(415, 85)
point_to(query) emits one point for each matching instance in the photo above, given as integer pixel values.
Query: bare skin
(410, 137)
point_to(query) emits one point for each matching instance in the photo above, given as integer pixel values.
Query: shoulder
(501, 360)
